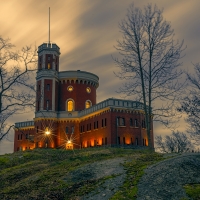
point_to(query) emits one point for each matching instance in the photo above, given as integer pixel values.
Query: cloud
(86, 32)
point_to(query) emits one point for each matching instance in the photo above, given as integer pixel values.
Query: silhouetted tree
(16, 90)
(191, 105)
(176, 143)
(149, 58)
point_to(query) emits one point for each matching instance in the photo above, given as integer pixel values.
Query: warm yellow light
(47, 132)
(69, 142)
(87, 104)
(70, 105)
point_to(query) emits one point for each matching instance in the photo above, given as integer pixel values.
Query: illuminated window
(70, 105)
(88, 90)
(49, 66)
(88, 104)
(70, 88)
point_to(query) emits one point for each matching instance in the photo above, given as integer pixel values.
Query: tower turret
(47, 77)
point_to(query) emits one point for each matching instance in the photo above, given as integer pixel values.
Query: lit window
(70, 88)
(88, 104)
(88, 90)
(49, 66)
(70, 105)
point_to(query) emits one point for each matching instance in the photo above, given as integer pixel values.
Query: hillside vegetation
(42, 173)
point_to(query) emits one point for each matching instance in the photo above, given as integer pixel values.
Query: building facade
(68, 116)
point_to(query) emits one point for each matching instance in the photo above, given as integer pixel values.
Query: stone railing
(24, 124)
(116, 103)
(111, 102)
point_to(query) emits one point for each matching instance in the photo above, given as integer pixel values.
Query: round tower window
(88, 90)
(70, 88)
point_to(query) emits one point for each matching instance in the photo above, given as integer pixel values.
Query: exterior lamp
(69, 142)
(47, 132)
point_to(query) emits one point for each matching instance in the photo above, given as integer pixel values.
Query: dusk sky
(86, 32)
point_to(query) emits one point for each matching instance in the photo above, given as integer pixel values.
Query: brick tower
(47, 91)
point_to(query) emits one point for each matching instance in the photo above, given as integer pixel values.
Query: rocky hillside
(97, 173)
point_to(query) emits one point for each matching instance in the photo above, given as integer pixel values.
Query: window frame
(66, 105)
(90, 104)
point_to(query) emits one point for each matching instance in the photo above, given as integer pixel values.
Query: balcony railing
(24, 124)
(111, 102)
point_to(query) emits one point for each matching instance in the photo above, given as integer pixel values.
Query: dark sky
(86, 32)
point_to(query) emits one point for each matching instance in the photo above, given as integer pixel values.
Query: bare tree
(149, 63)
(16, 90)
(176, 143)
(191, 105)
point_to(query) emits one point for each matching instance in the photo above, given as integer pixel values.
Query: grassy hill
(41, 173)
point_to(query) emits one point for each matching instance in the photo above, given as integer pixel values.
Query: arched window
(70, 105)
(88, 104)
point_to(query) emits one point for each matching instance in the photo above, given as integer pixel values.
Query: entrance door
(69, 146)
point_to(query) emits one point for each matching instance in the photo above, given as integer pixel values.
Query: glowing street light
(47, 132)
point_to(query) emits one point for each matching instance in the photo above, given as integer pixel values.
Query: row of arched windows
(70, 105)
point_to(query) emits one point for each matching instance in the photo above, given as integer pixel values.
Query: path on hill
(165, 180)
(97, 171)
(161, 181)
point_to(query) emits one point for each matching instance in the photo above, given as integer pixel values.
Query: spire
(49, 25)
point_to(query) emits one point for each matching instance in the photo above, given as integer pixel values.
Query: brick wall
(79, 95)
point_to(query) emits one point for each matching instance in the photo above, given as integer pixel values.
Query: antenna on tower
(49, 25)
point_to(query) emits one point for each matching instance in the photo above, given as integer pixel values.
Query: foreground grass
(40, 174)
(193, 191)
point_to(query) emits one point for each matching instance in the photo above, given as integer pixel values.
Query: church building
(68, 116)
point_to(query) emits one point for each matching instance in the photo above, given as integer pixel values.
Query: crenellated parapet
(48, 47)
(80, 77)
